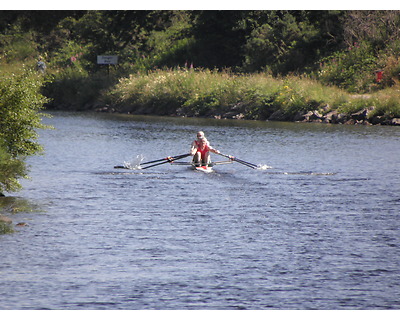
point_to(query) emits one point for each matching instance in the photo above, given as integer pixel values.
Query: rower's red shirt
(202, 148)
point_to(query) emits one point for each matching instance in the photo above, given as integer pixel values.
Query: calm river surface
(318, 230)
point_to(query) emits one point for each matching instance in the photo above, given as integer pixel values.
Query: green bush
(74, 88)
(352, 69)
(71, 55)
(20, 102)
(11, 170)
(16, 46)
(391, 70)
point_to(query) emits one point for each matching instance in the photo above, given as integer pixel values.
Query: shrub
(20, 102)
(11, 170)
(17, 46)
(71, 87)
(391, 71)
(352, 69)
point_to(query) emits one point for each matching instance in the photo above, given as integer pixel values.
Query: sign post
(107, 60)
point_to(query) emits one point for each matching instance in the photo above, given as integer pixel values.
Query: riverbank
(225, 95)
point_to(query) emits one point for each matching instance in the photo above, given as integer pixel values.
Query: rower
(200, 150)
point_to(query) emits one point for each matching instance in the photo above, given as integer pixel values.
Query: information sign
(107, 59)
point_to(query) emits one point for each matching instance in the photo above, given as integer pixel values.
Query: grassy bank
(207, 93)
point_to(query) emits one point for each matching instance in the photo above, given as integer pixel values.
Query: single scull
(172, 160)
(203, 168)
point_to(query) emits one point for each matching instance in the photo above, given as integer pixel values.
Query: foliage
(351, 69)
(391, 70)
(15, 46)
(171, 46)
(20, 102)
(11, 170)
(379, 28)
(71, 55)
(278, 41)
(371, 38)
(218, 38)
(74, 88)
(280, 45)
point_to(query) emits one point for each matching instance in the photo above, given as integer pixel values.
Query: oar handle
(157, 164)
(226, 156)
(169, 159)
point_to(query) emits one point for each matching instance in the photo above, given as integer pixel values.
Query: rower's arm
(193, 149)
(214, 150)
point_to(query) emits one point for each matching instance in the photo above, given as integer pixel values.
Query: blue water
(318, 230)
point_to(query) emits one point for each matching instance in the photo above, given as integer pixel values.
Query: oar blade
(248, 164)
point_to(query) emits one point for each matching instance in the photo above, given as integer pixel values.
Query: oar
(250, 165)
(245, 162)
(168, 159)
(163, 159)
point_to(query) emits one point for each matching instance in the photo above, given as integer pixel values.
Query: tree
(290, 41)
(20, 101)
(379, 28)
(219, 39)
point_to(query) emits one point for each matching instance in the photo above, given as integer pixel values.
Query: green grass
(212, 93)
(387, 103)
(206, 92)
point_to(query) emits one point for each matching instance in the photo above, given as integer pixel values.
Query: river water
(318, 230)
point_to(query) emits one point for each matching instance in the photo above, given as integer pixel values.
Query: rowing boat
(205, 169)
(172, 160)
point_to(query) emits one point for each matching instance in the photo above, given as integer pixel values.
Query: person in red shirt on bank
(200, 150)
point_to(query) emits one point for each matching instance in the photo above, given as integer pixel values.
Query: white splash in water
(263, 167)
(134, 164)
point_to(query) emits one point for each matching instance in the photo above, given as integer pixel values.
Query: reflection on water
(17, 204)
(318, 229)
(10, 212)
